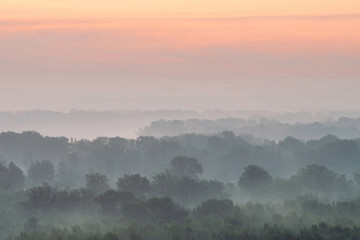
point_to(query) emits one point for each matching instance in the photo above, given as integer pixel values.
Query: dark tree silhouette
(255, 179)
(111, 202)
(11, 177)
(135, 184)
(185, 167)
(216, 208)
(41, 197)
(96, 183)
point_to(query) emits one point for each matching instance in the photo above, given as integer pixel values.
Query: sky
(156, 54)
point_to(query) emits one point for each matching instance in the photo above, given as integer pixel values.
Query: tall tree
(11, 177)
(96, 183)
(185, 167)
(135, 184)
(255, 179)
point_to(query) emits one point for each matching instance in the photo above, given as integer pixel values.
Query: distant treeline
(259, 127)
(90, 124)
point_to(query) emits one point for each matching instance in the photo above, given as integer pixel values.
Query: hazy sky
(231, 54)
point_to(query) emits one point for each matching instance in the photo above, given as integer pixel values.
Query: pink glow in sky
(276, 56)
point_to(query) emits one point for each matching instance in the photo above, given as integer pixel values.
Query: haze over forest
(179, 120)
(90, 124)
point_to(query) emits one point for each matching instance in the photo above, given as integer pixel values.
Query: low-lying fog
(131, 124)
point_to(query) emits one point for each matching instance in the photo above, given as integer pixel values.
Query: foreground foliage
(210, 229)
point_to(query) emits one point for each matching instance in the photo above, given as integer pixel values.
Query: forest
(274, 128)
(190, 186)
(179, 120)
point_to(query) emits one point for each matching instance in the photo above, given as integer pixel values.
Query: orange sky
(183, 8)
(198, 41)
(228, 47)
(138, 34)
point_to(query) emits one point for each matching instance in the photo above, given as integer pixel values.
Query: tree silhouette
(96, 183)
(255, 179)
(135, 184)
(185, 167)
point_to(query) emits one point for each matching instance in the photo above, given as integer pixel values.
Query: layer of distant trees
(222, 155)
(257, 126)
(182, 182)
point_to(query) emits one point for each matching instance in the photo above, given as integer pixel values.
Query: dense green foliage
(148, 188)
(277, 127)
(213, 219)
(223, 156)
(208, 229)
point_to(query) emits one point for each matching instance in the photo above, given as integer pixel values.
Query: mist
(130, 174)
(90, 124)
(89, 185)
(102, 92)
(179, 120)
